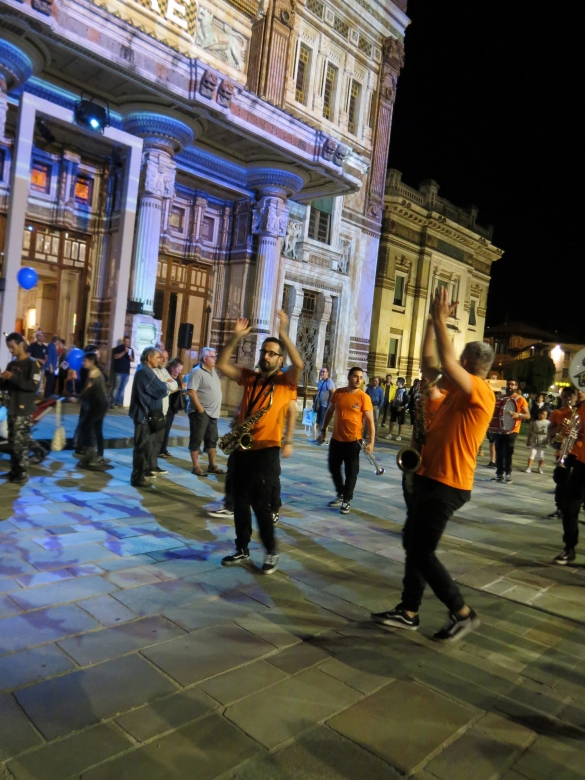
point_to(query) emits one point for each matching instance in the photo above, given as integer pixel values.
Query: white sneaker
(270, 563)
(399, 438)
(528, 470)
(540, 470)
(389, 437)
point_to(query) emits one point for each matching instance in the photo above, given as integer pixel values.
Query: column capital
(274, 182)
(15, 66)
(158, 131)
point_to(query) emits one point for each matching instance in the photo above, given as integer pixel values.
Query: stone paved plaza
(127, 651)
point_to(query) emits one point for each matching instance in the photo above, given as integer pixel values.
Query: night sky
(486, 106)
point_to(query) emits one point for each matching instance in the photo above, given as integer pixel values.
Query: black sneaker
(396, 617)
(556, 513)
(567, 556)
(239, 556)
(336, 503)
(491, 465)
(344, 508)
(158, 470)
(508, 479)
(19, 479)
(226, 514)
(7, 475)
(164, 454)
(275, 517)
(270, 563)
(150, 474)
(498, 478)
(456, 628)
(139, 482)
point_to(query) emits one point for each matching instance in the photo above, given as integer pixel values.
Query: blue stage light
(92, 115)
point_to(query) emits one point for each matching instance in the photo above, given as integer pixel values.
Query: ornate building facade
(240, 168)
(426, 243)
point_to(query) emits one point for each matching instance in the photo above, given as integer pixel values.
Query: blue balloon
(75, 358)
(27, 278)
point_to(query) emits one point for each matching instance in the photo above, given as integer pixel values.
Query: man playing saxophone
(443, 483)
(256, 470)
(574, 489)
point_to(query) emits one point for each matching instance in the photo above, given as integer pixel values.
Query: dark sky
(487, 107)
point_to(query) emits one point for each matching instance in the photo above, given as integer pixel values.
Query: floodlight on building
(92, 115)
(557, 353)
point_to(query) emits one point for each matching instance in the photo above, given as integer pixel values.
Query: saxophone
(569, 435)
(409, 459)
(240, 437)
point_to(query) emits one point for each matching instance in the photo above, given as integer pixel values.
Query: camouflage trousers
(19, 442)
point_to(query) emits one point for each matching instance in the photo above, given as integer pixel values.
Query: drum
(502, 421)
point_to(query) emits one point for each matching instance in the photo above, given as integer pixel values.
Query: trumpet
(379, 469)
(569, 435)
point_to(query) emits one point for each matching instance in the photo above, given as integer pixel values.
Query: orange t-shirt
(457, 431)
(521, 406)
(432, 406)
(269, 429)
(349, 413)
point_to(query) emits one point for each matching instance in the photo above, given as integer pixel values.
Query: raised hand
(440, 306)
(283, 317)
(242, 327)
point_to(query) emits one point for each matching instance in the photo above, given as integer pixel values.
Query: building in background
(241, 168)
(426, 243)
(518, 341)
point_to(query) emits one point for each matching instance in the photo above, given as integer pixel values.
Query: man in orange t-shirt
(557, 423)
(352, 407)
(505, 441)
(255, 472)
(443, 483)
(574, 491)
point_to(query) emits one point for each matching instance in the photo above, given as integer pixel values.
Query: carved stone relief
(159, 176)
(270, 217)
(209, 83)
(225, 93)
(218, 37)
(294, 231)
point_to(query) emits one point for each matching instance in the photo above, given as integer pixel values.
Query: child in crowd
(537, 440)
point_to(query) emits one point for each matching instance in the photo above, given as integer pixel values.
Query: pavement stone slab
(107, 610)
(239, 683)
(207, 652)
(473, 755)
(69, 757)
(42, 626)
(403, 723)
(166, 714)
(61, 592)
(84, 698)
(16, 733)
(213, 611)
(283, 711)
(298, 658)
(159, 596)
(203, 750)
(28, 666)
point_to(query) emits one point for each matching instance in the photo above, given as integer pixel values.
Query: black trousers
(346, 453)
(275, 502)
(574, 493)
(169, 424)
(561, 477)
(50, 383)
(91, 436)
(157, 440)
(430, 508)
(141, 457)
(505, 443)
(255, 475)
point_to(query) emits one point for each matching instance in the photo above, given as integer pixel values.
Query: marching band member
(352, 407)
(256, 472)
(443, 483)
(505, 441)
(573, 492)
(557, 421)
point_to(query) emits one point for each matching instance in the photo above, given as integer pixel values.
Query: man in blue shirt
(376, 394)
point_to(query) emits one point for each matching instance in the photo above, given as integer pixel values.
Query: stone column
(323, 314)
(269, 223)
(295, 307)
(163, 138)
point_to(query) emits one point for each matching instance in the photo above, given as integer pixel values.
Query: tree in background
(537, 373)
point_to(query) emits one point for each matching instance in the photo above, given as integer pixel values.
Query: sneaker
(165, 454)
(139, 482)
(222, 513)
(158, 470)
(491, 465)
(150, 474)
(344, 508)
(567, 556)
(389, 437)
(399, 438)
(275, 517)
(528, 471)
(396, 617)
(239, 556)
(456, 628)
(336, 503)
(556, 513)
(498, 478)
(540, 470)
(270, 563)
(508, 479)
(19, 479)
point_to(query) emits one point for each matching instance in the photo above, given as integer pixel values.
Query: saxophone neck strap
(257, 391)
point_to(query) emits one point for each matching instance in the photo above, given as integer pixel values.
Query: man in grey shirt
(203, 409)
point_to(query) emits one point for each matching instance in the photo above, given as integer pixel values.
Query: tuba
(240, 438)
(409, 459)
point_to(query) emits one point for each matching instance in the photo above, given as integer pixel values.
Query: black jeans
(167, 431)
(157, 440)
(573, 498)
(91, 436)
(348, 454)
(561, 477)
(255, 475)
(431, 507)
(143, 442)
(505, 443)
(275, 502)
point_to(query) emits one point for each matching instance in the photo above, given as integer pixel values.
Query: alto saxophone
(240, 437)
(409, 459)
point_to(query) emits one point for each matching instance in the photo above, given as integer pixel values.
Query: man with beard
(257, 470)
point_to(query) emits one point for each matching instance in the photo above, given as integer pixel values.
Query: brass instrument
(409, 459)
(568, 434)
(240, 437)
(379, 469)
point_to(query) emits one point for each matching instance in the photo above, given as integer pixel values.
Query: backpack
(400, 398)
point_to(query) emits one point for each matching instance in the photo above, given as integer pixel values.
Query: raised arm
(294, 372)
(429, 364)
(450, 365)
(224, 364)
